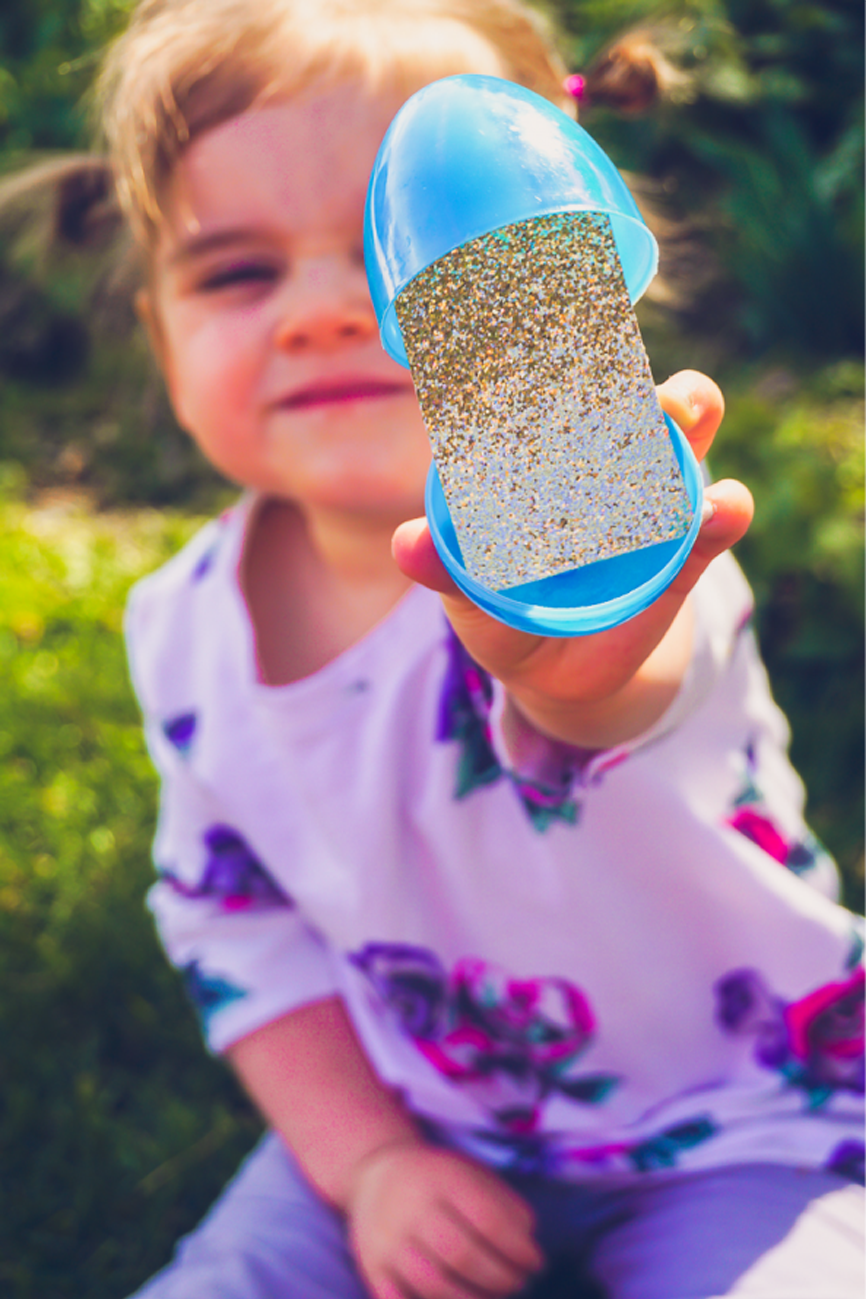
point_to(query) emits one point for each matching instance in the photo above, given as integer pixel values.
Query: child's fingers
(498, 1216)
(692, 400)
(462, 1252)
(730, 507)
(424, 1274)
(696, 405)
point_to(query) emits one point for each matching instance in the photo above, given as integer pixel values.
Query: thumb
(415, 555)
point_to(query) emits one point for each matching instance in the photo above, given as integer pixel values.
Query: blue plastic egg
(470, 154)
(465, 156)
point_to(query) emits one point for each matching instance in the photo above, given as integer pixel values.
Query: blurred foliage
(82, 399)
(49, 51)
(760, 143)
(761, 146)
(799, 446)
(116, 1131)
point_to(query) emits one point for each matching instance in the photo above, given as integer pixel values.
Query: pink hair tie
(575, 85)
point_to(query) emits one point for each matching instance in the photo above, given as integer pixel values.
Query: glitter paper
(537, 394)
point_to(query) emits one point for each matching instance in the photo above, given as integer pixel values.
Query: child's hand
(429, 1224)
(602, 689)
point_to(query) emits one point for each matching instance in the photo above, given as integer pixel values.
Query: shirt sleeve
(245, 952)
(225, 916)
(722, 607)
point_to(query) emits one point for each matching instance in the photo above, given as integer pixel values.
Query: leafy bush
(761, 148)
(50, 50)
(799, 446)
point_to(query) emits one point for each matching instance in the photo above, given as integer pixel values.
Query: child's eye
(239, 273)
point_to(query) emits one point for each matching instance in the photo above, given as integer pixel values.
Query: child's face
(262, 317)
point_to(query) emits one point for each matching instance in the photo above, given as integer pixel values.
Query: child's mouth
(340, 391)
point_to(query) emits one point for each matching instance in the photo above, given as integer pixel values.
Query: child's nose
(325, 321)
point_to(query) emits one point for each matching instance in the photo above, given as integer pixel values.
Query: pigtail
(68, 269)
(63, 204)
(631, 75)
(86, 212)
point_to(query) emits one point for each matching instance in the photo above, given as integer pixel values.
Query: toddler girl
(521, 946)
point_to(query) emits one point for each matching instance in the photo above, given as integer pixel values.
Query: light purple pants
(759, 1231)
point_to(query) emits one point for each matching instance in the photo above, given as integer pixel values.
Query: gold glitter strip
(538, 398)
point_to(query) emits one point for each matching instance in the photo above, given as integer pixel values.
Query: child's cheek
(220, 364)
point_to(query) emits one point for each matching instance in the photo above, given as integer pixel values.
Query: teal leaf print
(590, 1090)
(465, 701)
(662, 1151)
(855, 955)
(209, 993)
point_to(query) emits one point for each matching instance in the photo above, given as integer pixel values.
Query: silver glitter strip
(537, 394)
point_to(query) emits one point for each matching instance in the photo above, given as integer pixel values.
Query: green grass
(116, 1129)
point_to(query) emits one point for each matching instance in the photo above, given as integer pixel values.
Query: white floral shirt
(609, 964)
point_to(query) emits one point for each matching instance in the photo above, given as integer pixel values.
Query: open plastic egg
(466, 156)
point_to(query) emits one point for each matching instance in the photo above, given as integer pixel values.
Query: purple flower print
(464, 708)
(205, 563)
(410, 981)
(746, 1008)
(816, 1042)
(180, 731)
(510, 1043)
(206, 559)
(848, 1160)
(233, 875)
(464, 715)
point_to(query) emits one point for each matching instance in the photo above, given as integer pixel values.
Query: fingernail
(708, 511)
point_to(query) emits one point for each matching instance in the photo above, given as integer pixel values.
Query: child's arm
(600, 690)
(423, 1222)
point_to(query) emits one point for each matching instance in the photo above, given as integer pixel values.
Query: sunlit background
(116, 1130)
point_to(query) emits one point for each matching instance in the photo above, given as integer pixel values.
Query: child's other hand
(428, 1224)
(602, 689)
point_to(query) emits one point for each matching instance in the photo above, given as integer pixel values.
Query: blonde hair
(183, 66)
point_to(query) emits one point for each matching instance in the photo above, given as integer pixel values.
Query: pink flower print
(761, 830)
(458, 1054)
(825, 1032)
(750, 819)
(233, 875)
(508, 1042)
(516, 1038)
(547, 1019)
(816, 1042)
